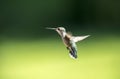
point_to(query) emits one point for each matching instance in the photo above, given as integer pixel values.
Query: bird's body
(66, 40)
(69, 40)
(70, 45)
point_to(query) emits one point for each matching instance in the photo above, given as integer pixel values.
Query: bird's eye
(58, 28)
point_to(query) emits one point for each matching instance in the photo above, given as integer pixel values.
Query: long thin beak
(51, 28)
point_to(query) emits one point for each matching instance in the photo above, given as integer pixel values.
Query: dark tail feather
(73, 53)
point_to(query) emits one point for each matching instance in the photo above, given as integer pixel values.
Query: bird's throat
(63, 34)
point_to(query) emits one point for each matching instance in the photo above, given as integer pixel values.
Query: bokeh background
(29, 51)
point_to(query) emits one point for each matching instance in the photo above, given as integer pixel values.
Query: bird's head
(61, 30)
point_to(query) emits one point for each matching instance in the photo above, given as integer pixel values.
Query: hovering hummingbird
(69, 40)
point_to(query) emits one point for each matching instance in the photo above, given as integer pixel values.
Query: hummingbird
(69, 40)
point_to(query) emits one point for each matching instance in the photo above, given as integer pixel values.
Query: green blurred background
(29, 51)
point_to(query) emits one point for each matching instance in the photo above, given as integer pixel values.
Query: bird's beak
(51, 28)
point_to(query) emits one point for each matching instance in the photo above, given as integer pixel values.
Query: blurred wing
(69, 33)
(79, 38)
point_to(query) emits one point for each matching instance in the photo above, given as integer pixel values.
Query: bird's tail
(73, 53)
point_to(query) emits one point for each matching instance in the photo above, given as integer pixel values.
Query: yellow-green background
(29, 51)
(49, 59)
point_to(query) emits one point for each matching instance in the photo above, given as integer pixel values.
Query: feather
(79, 38)
(72, 50)
(73, 53)
(69, 33)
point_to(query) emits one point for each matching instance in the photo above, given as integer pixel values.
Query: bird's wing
(73, 52)
(69, 33)
(79, 38)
